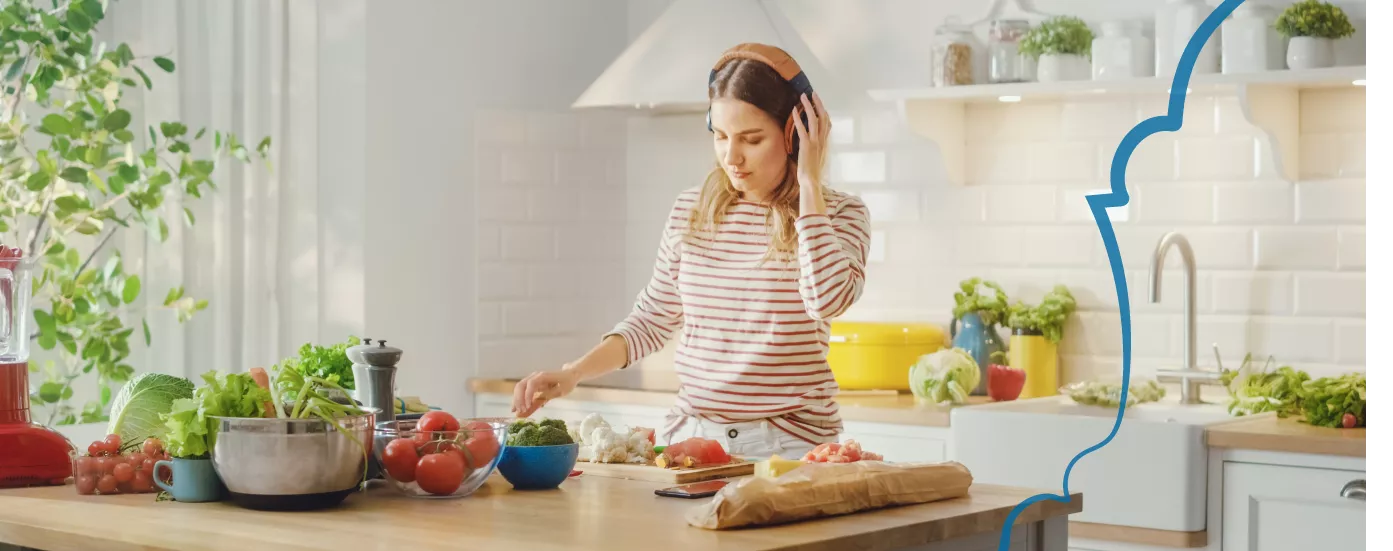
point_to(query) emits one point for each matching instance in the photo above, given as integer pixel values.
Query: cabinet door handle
(1353, 490)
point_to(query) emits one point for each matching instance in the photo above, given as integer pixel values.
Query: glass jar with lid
(952, 54)
(1006, 64)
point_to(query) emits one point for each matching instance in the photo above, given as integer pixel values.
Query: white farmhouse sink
(1151, 475)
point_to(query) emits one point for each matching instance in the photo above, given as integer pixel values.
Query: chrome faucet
(1189, 377)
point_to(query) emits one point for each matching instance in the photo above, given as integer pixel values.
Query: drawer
(1281, 508)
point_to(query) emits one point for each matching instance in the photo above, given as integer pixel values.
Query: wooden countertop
(1286, 435)
(900, 409)
(585, 513)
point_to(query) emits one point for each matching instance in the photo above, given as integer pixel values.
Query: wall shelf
(1270, 101)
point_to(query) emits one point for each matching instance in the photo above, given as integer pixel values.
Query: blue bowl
(538, 467)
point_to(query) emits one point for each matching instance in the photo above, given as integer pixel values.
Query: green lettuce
(137, 409)
(191, 422)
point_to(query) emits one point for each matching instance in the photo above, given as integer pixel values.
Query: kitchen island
(587, 512)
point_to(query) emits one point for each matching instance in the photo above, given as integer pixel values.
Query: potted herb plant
(81, 172)
(1312, 28)
(1063, 46)
(979, 314)
(1035, 335)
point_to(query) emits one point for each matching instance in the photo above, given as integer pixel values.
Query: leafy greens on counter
(1335, 402)
(191, 424)
(328, 363)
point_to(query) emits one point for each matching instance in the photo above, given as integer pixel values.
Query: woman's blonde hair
(761, 86)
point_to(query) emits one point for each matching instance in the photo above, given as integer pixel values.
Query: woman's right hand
(534, 391)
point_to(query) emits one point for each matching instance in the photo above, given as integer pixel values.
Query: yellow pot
(1039, 358)
(877, 356)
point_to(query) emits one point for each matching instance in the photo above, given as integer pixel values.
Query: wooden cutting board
(654, 473)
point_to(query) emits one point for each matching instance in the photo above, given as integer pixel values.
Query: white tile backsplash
(571, 204)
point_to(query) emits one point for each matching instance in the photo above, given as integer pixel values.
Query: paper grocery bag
(825, 489)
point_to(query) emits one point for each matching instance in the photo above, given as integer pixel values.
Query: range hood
(665, 69)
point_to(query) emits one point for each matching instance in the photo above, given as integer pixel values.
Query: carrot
(264, 381)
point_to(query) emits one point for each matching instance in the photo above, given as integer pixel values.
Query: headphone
(787, 68)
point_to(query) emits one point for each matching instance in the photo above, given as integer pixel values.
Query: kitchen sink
(1152, 474)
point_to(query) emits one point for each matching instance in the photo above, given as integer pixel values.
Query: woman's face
(749, 146)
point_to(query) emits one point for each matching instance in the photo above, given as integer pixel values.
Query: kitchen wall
(1281, 264)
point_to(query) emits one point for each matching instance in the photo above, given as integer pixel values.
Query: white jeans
(752, 439)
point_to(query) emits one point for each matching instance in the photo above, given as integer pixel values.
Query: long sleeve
(657, 312)
(832, 252)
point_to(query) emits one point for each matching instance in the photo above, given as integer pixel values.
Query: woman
(751, 265)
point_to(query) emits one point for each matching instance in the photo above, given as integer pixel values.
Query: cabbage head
(136, 410)
(945, 377)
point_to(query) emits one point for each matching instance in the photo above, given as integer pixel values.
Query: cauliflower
(609, 446)
(588, 426)
(640, 449)
(946, 376)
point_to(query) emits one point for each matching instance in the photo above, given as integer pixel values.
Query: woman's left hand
(812, 141)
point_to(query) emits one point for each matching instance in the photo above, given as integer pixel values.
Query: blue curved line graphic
(1098, 204)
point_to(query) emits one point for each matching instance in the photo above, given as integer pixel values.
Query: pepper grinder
(375, 375)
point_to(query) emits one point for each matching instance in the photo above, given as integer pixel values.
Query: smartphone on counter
(694, 490)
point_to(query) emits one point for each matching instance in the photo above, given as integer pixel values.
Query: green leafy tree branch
(74, 174)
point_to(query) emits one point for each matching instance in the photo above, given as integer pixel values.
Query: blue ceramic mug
(194, 480)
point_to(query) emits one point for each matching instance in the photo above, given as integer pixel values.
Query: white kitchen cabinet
(1290, 508)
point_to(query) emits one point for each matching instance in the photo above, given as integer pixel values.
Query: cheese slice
(775, 466)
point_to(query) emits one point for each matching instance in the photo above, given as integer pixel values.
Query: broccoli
(549, 432)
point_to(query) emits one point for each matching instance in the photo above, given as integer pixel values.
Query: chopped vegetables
(1095, 393)
(844, 452)
(946, 376)
(693, 452)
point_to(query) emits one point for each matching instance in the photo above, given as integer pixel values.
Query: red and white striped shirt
(754, 345)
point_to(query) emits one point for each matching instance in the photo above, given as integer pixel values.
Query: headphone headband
(783, 64)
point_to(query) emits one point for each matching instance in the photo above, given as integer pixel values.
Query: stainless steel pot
(286, 464)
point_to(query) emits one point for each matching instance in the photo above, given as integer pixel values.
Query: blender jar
(15, 290)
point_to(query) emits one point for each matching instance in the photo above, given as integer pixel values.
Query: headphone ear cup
(708, 120)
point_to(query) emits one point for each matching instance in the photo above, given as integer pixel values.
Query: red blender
(30, 454)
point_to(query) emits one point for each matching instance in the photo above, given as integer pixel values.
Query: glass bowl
(440, 464)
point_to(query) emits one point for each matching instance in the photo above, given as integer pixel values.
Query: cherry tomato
(437, 421)
(102, 465)
(149, 467)
(106, 484)
(136, 460)
(86, 465)
(86, 484)
(123, 472)
(97, 448)
(142, 482)
(400, 458)
(152, 447)
(440, 473)
(113, 444)
(1348, 421)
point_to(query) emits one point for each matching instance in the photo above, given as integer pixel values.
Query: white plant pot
(1056, 68)
(1309, 52)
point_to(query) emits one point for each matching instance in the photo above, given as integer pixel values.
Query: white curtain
(256, 251)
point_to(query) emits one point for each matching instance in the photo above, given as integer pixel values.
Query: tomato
(1348, 421)
(113, 444)
(136, 460)
(483, 447)
(102, 465)
(97, 448)
(440, 473)
(123, 472)
(400, 458)
(86, 484)
(152, 447)
(148, 466)
(86, 465)
(142, 482)
(106, 484)
(435, 442)
(435, 421)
